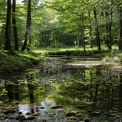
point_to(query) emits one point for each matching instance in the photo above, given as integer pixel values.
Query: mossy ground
(18, 62)
(22, 60)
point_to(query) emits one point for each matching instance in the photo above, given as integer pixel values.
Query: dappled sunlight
(60, 61)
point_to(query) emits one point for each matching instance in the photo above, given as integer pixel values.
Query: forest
(42, 24)
(61, 60)
(92, 28)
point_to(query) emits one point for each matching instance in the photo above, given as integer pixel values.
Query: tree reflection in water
(95, 87)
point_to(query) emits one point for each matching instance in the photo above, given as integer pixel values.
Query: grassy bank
(16, 63)
(79, 52)
(23, 60)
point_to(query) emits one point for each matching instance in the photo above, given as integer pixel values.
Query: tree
(8, 28)
(71, 18)
(96, 29)
(27, 40)
(120, 27)
(2, 22)
(108, 17)
(14, 25)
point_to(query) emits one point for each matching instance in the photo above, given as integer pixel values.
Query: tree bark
(8, 28)
(96, 29)
(109, 16)
(90, 31)
(120, 29)
(28, 28)
(14, 25)
(110, 25)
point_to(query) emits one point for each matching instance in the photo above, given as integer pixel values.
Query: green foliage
(20, 62)
(71, 23)
(77, 16)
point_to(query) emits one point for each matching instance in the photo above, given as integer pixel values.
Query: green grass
(73, 51)
(77, 51)
(22, 60)
(19, 62)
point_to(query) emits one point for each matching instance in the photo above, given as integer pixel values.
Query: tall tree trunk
(110, 25)
(28, 28)
(96, 29)
(107, 29)
(109, 16)
(8, 28)
(120, 29)
(78, 39)
(83, 34)
(14, 25)
(90, 31)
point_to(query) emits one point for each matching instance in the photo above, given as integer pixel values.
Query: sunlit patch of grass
(18, 62)
(23, 59)
(104, 54)
(45, 51)
(30, 55)
(62, 49)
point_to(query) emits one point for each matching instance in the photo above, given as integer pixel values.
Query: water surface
(91, 86)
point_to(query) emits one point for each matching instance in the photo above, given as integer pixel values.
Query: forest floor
(18, 63)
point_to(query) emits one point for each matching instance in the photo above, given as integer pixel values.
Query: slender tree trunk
(107, 29)
(110, 26)
(109, 16)
(96, 29)
(78, 39)
(8, 28)
(120, 29)
(28, 28)
(110, 36)
(83, 34)
(90, 31)
(14, 25)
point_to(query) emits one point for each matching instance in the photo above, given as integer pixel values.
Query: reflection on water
(47, 104)
(95, 85)
(24, 108)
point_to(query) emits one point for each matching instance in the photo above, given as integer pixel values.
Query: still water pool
(63, 90)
